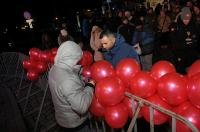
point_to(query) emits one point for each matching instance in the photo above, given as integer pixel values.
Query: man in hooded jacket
(71, 97)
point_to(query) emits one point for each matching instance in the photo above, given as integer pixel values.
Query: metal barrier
(34, 100)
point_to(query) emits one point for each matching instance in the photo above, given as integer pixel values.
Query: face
(196, 10)
(107, 42)
(186, 22)
(125, 21)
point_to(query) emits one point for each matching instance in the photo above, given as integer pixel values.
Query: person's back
(116, 48)
(70, 97)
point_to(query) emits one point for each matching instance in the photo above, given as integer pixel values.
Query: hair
(107, 33)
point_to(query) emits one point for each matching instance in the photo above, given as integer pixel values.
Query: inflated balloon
(102, 69)
(87, 59)
(51, 58)
(32, 75)
(128, 103)
(27, 64)
(54, 51)
(182, 107)
(161, 68)
(96, 108)
(190, 113)
(41, 67)
(45, 56)
(116, 116)
(143, 85)
(194, 90)
(194, 68)
(159, 117)
(86, 72)
(34, 54)
(126, 69)
(110, 91)
(172, 88)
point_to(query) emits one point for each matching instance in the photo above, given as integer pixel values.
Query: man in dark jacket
(116, 48)
(185, 37)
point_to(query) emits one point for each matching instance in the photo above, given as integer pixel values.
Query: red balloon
(192, 114)
(86, 72)
(194, 68)
(128, 103)
(96, 108)
(161, 68)
(27, 64)
(110, 91)
(116, 116)
(126, 69)
(87, 59)
(159, 117)
(34, 54)
(45, 56)
(51, 58)
(194, 90)
(102, 69)
(32, 75)
(172, 88)
(41, 67)
(54, 51)
(143, 85)
(180, 108)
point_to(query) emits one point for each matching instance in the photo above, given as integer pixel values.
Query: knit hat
(186, 13)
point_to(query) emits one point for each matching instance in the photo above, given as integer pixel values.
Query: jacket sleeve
(133, 54)
(78, 96)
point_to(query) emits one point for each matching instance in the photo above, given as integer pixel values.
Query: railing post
(151, 110)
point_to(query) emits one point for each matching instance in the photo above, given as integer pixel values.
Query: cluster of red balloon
(162, 86)
(38, 61)
(109, 101)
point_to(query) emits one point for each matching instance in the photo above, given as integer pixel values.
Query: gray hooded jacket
(70, 98)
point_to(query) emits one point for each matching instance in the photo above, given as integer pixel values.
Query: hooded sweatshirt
(70, 98)
(119, 51)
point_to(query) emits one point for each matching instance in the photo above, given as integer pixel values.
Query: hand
(92, 82)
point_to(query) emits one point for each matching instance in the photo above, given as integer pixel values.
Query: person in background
(126, 30)
(185, 40)
(71, 96)
(64, 35)
(196, 9)
(95, 43)
(144, 38)
(115, 47)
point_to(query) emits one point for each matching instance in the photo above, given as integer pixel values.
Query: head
(150, 11)
(196, 9)
(189, 4)
(107, 39)
(186, 15)
(127, 14)
(125, 20)
(69, 53)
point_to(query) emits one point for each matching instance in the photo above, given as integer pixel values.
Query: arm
(77, 95)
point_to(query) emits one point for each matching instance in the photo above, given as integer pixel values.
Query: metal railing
(12, 73)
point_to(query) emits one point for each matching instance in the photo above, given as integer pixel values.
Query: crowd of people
(168, 32)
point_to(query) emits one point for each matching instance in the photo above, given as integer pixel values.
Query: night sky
(42, 9)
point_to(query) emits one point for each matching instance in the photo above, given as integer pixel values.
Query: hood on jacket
(68, 54)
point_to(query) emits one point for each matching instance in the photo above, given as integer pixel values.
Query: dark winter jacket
(119, 51)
